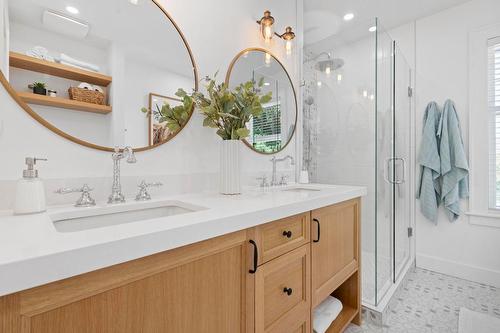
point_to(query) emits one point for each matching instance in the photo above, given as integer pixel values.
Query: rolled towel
(76, 66)
(67, 59)
(326, 313)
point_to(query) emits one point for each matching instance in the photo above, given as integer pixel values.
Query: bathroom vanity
(258, 262)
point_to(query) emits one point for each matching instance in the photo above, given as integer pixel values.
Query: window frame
(480, 131)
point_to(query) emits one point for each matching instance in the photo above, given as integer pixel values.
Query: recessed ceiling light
(72, 10)
(372, 29)
(348, 16)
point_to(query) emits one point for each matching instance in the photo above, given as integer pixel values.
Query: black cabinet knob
(288, 291)
(287, 234)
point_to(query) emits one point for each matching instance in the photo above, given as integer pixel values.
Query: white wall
(215, 37)
(442, 61)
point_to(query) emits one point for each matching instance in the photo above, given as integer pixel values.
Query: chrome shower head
(329, 65)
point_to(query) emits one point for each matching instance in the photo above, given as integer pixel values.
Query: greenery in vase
(229, 110)
(174, 117)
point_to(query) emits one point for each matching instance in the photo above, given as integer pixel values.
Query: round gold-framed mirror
(273, 130)
(99, 72)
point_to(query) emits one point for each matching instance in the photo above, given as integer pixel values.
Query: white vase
(230, 174)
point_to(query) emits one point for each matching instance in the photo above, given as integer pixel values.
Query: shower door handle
(387, 172)
(403, 163)
(387, 175)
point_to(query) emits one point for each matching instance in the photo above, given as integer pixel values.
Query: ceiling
(325, 17)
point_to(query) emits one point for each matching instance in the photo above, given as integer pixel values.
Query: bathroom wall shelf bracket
(64, 103)
(22, 61)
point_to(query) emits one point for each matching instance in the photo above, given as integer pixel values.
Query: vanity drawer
(282, 292)
(282, 236)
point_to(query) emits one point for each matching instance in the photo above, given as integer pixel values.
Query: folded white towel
(40, 52)
(326, 313)
(79, 63)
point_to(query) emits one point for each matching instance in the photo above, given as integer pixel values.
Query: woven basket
(85, 95)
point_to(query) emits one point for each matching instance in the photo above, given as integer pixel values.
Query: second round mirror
(274, 128)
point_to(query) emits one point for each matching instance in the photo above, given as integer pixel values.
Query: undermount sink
(98, 217)
(301, 189)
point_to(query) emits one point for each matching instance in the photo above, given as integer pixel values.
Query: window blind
(494, 121)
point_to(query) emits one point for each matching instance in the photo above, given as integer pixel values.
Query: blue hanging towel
(429, 190)
(454, 166)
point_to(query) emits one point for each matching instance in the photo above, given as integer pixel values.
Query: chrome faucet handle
(85, 199)
(143, 194)
(263, 181)
(283, 180)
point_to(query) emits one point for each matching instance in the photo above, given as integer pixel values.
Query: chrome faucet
(116, 191)
(275, 160)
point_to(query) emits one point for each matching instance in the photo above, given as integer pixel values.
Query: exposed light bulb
(267, 84)
(268, 33)
(319, 84)
(339, 77)
(372, 29)
(72, 10)
(267, 59)
(288, 47)
(372, 97)
(365, 93)
(328, 70)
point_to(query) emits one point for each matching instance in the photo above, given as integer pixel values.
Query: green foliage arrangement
(229, 110)
(175, 117)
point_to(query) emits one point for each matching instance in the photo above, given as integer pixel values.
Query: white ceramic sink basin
(301, 189)
(98, 217)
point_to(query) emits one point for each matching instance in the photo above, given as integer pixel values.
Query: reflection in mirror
(87, 71)
(274, 128)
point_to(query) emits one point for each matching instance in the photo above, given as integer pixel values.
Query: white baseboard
(466, 272)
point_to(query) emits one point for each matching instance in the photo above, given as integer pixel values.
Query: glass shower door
(402, 153)
(384, 163)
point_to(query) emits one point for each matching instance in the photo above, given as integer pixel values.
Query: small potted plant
(39, 88)
(229, 111)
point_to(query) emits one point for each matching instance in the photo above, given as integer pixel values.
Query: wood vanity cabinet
(265, 279)
(202, 287)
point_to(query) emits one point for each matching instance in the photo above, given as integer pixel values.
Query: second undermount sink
(301, 189)
(98, 217)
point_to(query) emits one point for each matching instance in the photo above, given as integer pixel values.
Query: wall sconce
(266, 24)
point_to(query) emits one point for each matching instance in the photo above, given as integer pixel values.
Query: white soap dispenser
(30, 192)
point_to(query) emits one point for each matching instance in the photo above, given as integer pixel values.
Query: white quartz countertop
(33, 252)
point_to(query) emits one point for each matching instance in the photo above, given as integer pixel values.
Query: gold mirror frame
(65, 135)
(228, 76)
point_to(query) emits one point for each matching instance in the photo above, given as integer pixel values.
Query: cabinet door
(200, 288)
(335, 253)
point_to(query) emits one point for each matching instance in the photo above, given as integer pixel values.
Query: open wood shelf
(64, 103)
(343, 320)
(22, 61)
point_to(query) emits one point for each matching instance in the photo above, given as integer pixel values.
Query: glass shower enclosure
(357, 111)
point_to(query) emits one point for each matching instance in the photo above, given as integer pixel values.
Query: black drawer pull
(287, 234)
(255, 257)
(319, 231)
(288, 291)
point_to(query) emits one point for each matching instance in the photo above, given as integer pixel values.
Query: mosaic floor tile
(430, 303)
